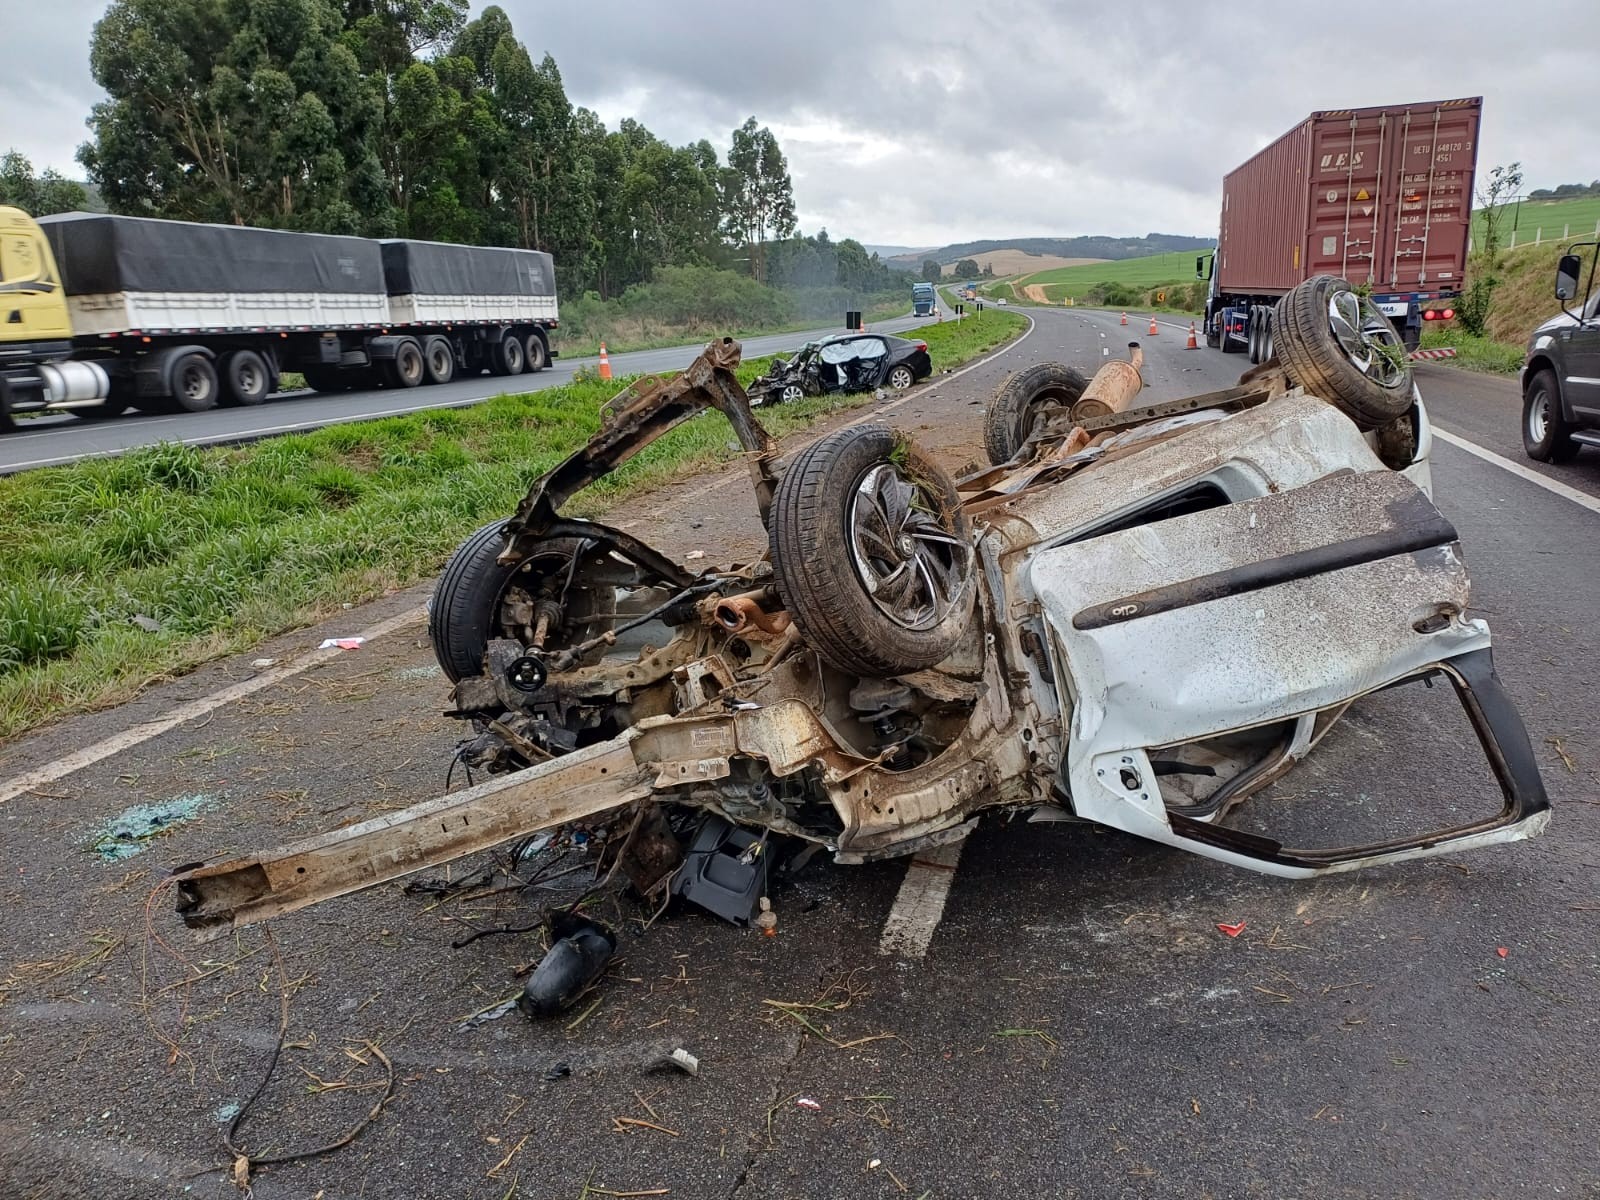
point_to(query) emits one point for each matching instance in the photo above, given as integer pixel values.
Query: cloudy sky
(931, 122)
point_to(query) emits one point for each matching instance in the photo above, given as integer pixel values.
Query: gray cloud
(922, 122)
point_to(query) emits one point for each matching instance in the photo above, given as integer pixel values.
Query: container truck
(1381, 197)
(102, 313)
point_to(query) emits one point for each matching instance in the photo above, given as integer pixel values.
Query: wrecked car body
(846, 362)
(1136, 617)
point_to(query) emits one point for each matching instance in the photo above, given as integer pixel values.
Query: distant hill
(1074, 247)
(896, 252)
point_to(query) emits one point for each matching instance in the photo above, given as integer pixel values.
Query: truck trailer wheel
(194, 383)
(1028, 397)
(872, 553)
(538, 355)
(439, 360)
(1338, 345)
(508, 357)
(407, 370)
(245, 378)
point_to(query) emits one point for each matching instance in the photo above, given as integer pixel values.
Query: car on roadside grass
(1561, 378)
(845, 362)
(1133, 617)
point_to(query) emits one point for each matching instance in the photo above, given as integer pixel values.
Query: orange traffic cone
(1194, 342)
(1153, 329)
(605, 363)
(1124, 318)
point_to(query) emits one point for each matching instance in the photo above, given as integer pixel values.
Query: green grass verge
(221, 548)
(1476, 353)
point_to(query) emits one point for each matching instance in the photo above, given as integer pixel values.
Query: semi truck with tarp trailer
(1381, 197)
(99, 313)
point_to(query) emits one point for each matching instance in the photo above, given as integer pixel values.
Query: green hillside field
(1136, 272)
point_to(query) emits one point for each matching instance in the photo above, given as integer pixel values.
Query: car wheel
(900, 377)
(535, 353)
(194, 383)
(872, 553)
(464, 613)
(508, 357)
(439, 360)
(791, 392)
(1025, 400)
(1338, 345)
(1546, 436)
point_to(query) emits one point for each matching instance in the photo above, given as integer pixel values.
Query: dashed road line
(1553, 486)
(920, 903)
(184, 713)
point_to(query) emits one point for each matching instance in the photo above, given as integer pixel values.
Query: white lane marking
(920, 904)
(914, 394)
(145, 730)
(1553, 486)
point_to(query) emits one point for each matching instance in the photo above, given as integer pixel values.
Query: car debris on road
(1108, 623)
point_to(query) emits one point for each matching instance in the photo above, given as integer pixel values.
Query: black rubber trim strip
(1419, 526)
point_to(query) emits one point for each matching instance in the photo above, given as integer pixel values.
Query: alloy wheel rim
(912, 567)
(1367, 340)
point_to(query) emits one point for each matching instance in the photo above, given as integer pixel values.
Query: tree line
(402, 118)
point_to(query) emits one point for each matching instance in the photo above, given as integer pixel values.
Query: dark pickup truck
(1561, 382)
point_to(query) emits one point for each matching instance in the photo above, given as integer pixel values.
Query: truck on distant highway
(1381, 197)
(922, 299)
(102, 313)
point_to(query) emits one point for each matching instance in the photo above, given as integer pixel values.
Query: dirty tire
(438, 360)
(508, 356)
(1546, 436)
(820, 525)
(408, 369)
(245, 378)
(1312, 353)
(901, 377)
(1397, 442)
(1023, 399)
(537, 353)
(464, 611)
(194, 384)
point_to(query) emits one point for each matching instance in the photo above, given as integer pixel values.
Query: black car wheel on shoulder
(845, 362)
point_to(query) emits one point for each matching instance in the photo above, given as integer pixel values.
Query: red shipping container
(1379, 196)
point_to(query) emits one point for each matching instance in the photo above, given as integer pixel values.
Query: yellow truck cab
(36, 372)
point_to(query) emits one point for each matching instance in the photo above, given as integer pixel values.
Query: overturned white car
(1137, 617)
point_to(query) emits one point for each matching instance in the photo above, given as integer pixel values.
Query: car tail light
(922, 345)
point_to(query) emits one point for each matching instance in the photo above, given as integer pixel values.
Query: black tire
(823, 549)
(438, 360)
(536, 353)
(900, 377)
(1269, 347)
(1023, 399)
(1546, 436)
(1225, 343)
(8, 423)
(194, 384)
(464, 612)
(408, 369)
(1314, 357)
(325, 379)
(1258, 333)
(1213, 341)
(245, 377)
(508, 356)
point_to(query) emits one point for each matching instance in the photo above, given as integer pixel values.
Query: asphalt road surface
(58, 438)
(1074, 1026)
